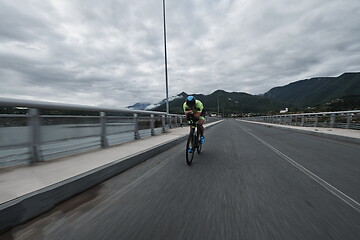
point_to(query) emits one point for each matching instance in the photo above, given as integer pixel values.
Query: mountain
(317, 91)
(351, 102)
(139, 106)
(162, 103)
(321, 94)
(228, 102)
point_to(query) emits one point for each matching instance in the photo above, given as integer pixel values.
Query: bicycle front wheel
(190, 155)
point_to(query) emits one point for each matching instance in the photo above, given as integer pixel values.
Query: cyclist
(194, 110)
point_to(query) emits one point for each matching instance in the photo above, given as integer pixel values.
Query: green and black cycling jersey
(199, 107)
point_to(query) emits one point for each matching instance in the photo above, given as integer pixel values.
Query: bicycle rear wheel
(199, 144)
(190, 155)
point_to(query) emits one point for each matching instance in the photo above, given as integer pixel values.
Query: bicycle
(193, 141)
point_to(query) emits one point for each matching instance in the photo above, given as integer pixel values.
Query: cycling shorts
(202, 115)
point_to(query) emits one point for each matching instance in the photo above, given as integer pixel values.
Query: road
(250, 182)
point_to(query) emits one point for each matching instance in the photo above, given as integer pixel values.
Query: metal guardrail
(36, 137)
(341, 119)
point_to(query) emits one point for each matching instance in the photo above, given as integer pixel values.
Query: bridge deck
(235, 186)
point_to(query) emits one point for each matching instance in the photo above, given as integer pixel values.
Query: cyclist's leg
(191, 131)
(201, 127)
(201, 131)
(200, 123)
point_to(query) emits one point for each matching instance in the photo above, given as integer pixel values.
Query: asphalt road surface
(250, 182)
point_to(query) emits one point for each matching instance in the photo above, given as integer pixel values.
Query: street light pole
(166, 73)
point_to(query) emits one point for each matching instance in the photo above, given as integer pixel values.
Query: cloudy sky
(111, 52)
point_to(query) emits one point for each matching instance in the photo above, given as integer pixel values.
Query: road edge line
(336, 192)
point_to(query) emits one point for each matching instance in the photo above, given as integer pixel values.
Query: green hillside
(229, 103)
(317, 91)
(340, 104)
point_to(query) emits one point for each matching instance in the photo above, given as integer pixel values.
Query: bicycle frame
(193, 141)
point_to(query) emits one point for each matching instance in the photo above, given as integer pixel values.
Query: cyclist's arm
(199, 109)
(186, 109)
(197, 115)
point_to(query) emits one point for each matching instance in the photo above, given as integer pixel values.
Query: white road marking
(345, 198)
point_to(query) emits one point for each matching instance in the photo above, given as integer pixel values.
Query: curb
(319, 134)
(31, 205)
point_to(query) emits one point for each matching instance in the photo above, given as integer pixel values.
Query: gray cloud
(111, 52)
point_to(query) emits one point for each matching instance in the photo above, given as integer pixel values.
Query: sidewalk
(349, 135)
(29, 191)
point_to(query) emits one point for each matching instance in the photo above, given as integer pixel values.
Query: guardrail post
(35, 136)
(163, 123)
(332, 120)
(348, 120)
(302, 121)
(103, 135)
(181, 121)
(176, 121)
(170, 119)
(152, 124)
(136, 127)
(316, 121)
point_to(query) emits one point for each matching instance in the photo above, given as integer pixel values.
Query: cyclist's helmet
(190, 101)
